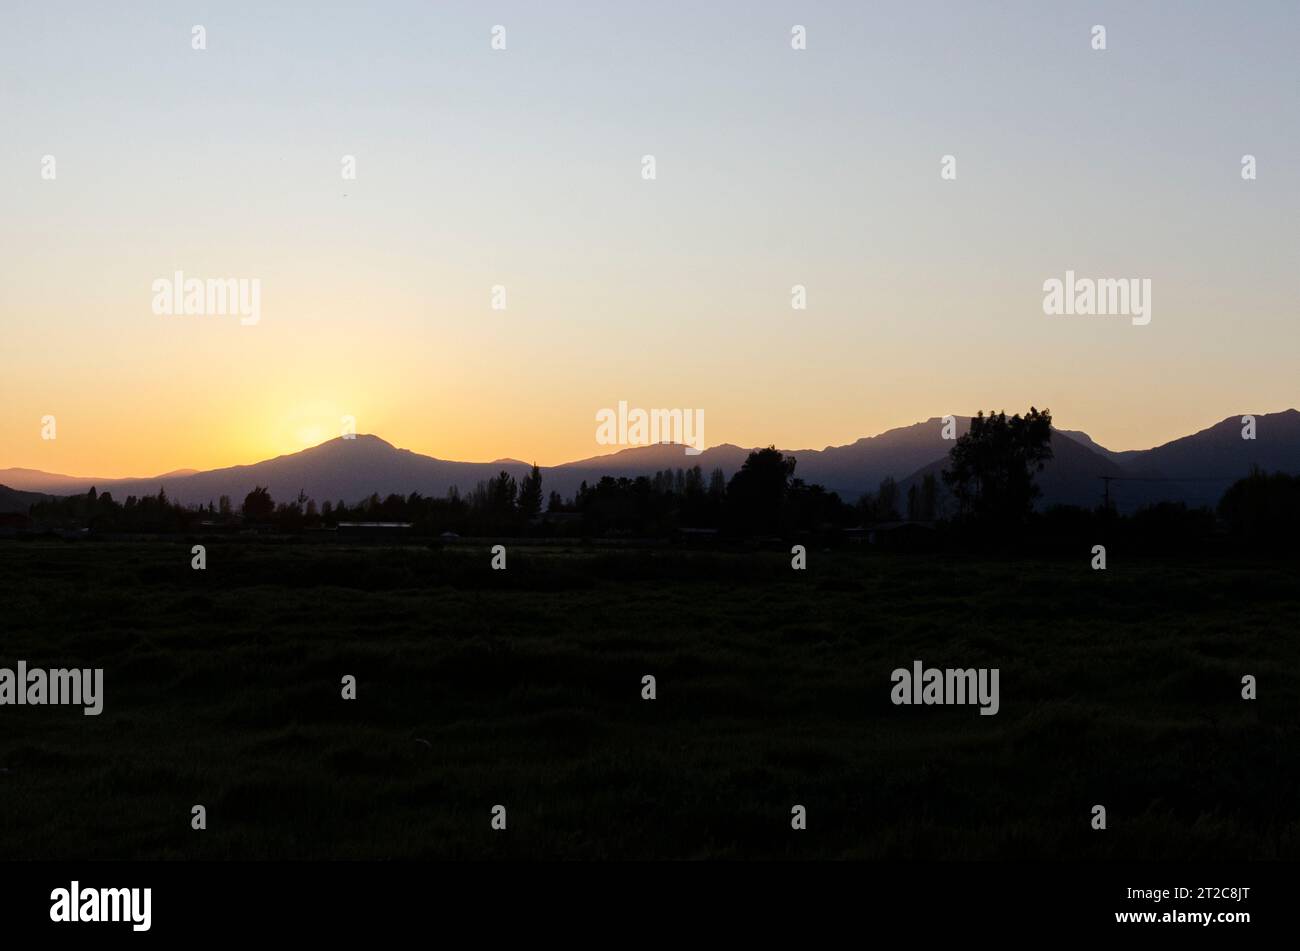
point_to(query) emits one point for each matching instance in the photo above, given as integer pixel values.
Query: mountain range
(1195, 469)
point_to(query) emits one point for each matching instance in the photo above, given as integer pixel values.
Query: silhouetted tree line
(1264, 508)
(100, 512)
(762, 497)
(922, 502)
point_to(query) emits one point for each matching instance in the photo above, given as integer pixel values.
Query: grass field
(523, 687)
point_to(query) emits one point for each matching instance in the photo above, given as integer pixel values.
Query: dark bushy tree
(530, 494)
(1263, 508)
(991, 468)
(757, 491)
(258, 505)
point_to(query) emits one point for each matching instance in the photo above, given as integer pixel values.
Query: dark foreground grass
(523, 688)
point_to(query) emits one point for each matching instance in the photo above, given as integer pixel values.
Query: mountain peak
(359, 441)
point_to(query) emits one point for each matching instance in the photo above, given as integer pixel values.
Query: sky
(523, 167)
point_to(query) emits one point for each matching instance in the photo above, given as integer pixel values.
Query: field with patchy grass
(523, 687)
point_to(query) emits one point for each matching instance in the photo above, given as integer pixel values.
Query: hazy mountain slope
(1195, 469)
(1220, 452)
(849, 470)
(639, 461)
(1198, 469)
(34, 480)
(14, 500)
(861, 466)
(1088, 442)
(347, 469)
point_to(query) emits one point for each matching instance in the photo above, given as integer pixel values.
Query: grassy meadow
(523, 687)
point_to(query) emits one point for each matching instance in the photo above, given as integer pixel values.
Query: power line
(1109, 479)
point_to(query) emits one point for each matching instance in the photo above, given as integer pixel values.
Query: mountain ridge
(350, 469)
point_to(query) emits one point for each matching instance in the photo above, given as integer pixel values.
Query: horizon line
(185, 471)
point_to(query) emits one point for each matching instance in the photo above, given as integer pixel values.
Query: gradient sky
(522, 168)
